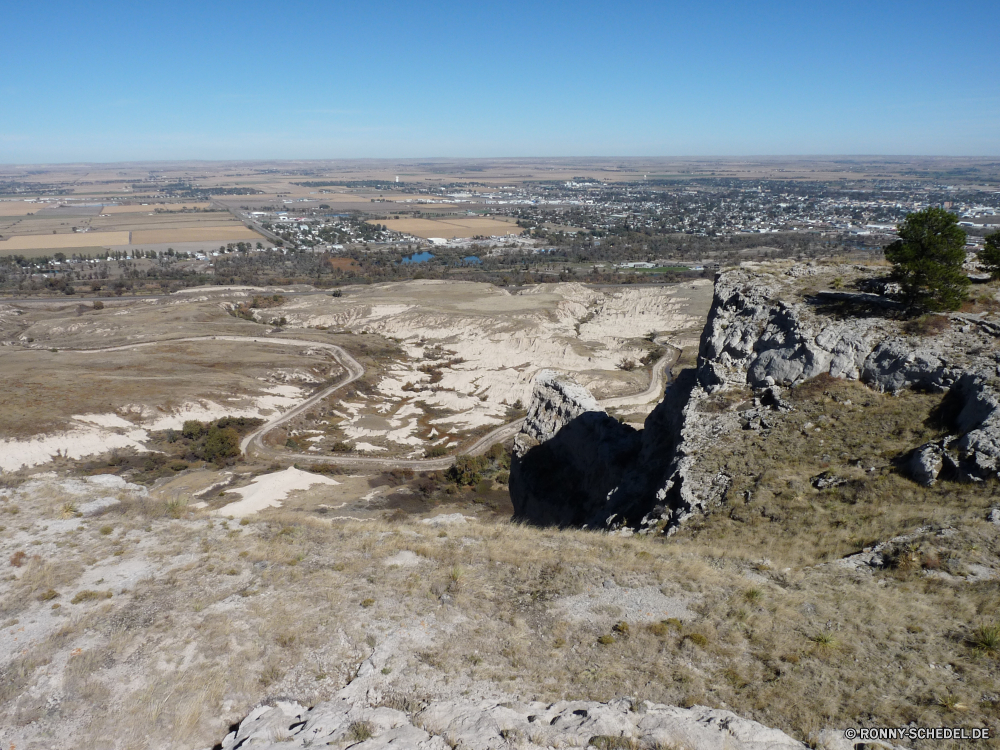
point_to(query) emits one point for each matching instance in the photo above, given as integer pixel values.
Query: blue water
(418, 257)
(471, 259)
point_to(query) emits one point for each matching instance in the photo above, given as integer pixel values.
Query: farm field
(61, 241)
(230, 233)
(51, 227)
(150, 208)
(18, 208)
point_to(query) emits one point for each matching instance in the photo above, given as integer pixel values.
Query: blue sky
(117, 81)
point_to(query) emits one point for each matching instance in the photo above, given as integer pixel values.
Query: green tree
(989, 256)
(221, 443)
(193, 429)
(927, 260)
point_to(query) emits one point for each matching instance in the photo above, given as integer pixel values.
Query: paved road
(253, 445)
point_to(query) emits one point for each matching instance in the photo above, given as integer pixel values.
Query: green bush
(193, 429)
(468, 470)
(221, 443)
(989, 256)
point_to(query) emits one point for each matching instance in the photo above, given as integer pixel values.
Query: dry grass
(291, 604)
(19, 208)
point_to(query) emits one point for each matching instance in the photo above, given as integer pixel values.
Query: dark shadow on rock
(845, 305)
(597, 472)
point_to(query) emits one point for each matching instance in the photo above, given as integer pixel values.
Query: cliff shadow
(566, 480)
(846, 305)
(596, 469)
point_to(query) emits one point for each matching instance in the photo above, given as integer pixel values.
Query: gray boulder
(979, 421)
(893, 365)
(926, 462)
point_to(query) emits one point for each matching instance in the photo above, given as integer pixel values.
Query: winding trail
(253, 444)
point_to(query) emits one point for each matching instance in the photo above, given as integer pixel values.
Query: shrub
(86, 596)
(606, 640)
(193, 429)
(359, 731)
(824, 640)
(621, 628)
(659, 629)
(989, 256)
(18, 558)
(610, 742)
(366, 603)
(98, 305)
(927, 325)
(468, 470)
(436, 451)
(986, 638)
(221, 444)
(697, 639)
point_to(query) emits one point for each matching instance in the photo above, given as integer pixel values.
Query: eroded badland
(324, 497)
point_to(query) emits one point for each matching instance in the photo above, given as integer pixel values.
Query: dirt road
(253, 444)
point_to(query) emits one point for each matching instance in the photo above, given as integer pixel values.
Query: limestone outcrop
(755, 337)
(569, 457)
(574, 465)
(488, 725)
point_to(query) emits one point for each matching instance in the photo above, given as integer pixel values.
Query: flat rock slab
(601, 602)
(404, 559)
(487, 725)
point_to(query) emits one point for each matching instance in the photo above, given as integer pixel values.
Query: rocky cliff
(574, 465)
(767, 330)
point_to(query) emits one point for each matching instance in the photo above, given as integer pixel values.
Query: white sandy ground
(504, 340)
(99, 433)
(87, 494)
(609, 602)
(90, 438)
(268, 490)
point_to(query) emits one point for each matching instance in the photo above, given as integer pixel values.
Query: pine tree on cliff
(989, 256)
(927, 260)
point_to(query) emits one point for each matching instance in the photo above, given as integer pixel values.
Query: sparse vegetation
(89, 596)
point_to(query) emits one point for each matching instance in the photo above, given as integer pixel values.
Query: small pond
(418, 257)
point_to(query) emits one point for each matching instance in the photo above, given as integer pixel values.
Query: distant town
(149, 231)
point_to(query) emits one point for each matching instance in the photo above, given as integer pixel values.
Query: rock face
(569, 457)
(487, 725)
(574, 465)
